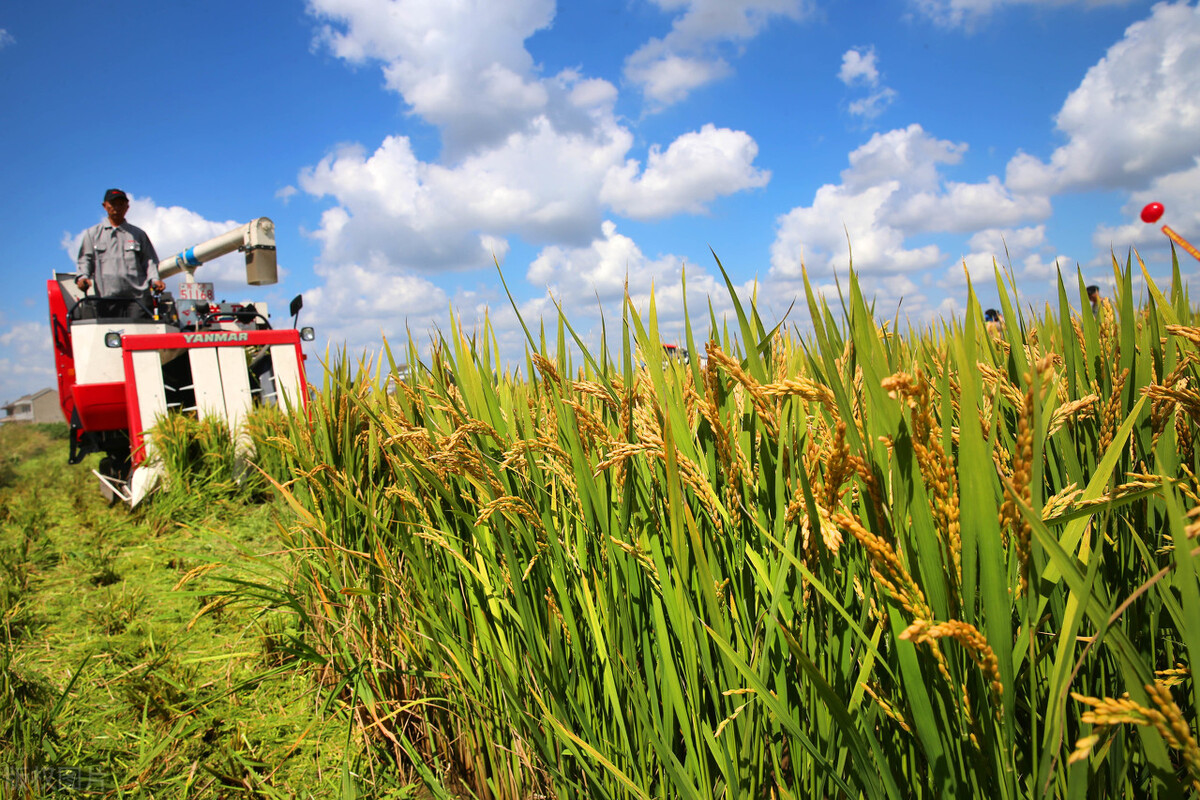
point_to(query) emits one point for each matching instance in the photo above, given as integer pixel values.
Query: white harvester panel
(222, 388)
(206, 382)
(288, 387)
(221, 384)
(235, 383)
(151, 395)
(95, 362)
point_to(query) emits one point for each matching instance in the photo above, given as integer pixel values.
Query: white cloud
(357, 304)
(286, 193)
(26, 359)
(970, 13)
(668, 78)
(510, 136)
(668, 69)
(1025, 249)
(1134, 117)
(892, 190)
(593, 279)
(859, 66)
(966, 207)
(904, 153)
(697, 168)
(6, 39)
(703, 21)
(873, 104)
(395, 209)
(1017, 242)
(820, 236)
(601, 268)
(461, 66)
(415, 215)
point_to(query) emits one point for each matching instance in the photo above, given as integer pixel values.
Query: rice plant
(206, 466)
(850, 562)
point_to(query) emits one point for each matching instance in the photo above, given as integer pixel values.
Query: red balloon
(1152, 212)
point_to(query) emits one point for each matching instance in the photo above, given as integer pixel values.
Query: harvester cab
(187, 354)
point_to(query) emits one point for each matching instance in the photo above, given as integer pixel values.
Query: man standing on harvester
(120, 260)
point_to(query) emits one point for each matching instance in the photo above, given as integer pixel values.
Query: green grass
(133, 663)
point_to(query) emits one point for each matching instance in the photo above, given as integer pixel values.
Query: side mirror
(294, 309)
(307, 334)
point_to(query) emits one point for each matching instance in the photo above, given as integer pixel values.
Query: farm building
(37, 407)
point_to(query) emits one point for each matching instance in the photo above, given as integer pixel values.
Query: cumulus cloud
(419, 215)
(892, 190)
(1134, 117)
(1025, 250)
(601, 268)
(392, 209)
(395, 209)
(541, 157)
(461, 66)
(859, 67)
(689, 56)
(820, 236)
(970, 13)
(908, 153)
(594, 278)
(668, 78)
(873, 104)
(590, 280)
(26, 359)
(696, 169)
(358, 303)
(416, 215)
(964, 207)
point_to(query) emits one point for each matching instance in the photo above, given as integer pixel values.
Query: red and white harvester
(117, 376)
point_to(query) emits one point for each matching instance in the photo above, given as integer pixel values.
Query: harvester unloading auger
(117, 376)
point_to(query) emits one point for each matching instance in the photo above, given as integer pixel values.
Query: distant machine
(118, 376)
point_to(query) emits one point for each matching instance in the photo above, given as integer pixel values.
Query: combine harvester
(118, 376)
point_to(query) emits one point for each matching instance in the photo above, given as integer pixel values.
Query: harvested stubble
(845, 564)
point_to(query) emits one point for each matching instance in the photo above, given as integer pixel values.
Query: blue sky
(399, 144)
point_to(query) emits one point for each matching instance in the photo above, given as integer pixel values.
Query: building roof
(28, 397)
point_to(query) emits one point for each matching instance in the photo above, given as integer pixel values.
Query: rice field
(833, 559)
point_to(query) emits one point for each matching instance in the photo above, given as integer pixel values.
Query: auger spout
(256, 239)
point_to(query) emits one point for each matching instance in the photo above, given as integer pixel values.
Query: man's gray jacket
(119, 260)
